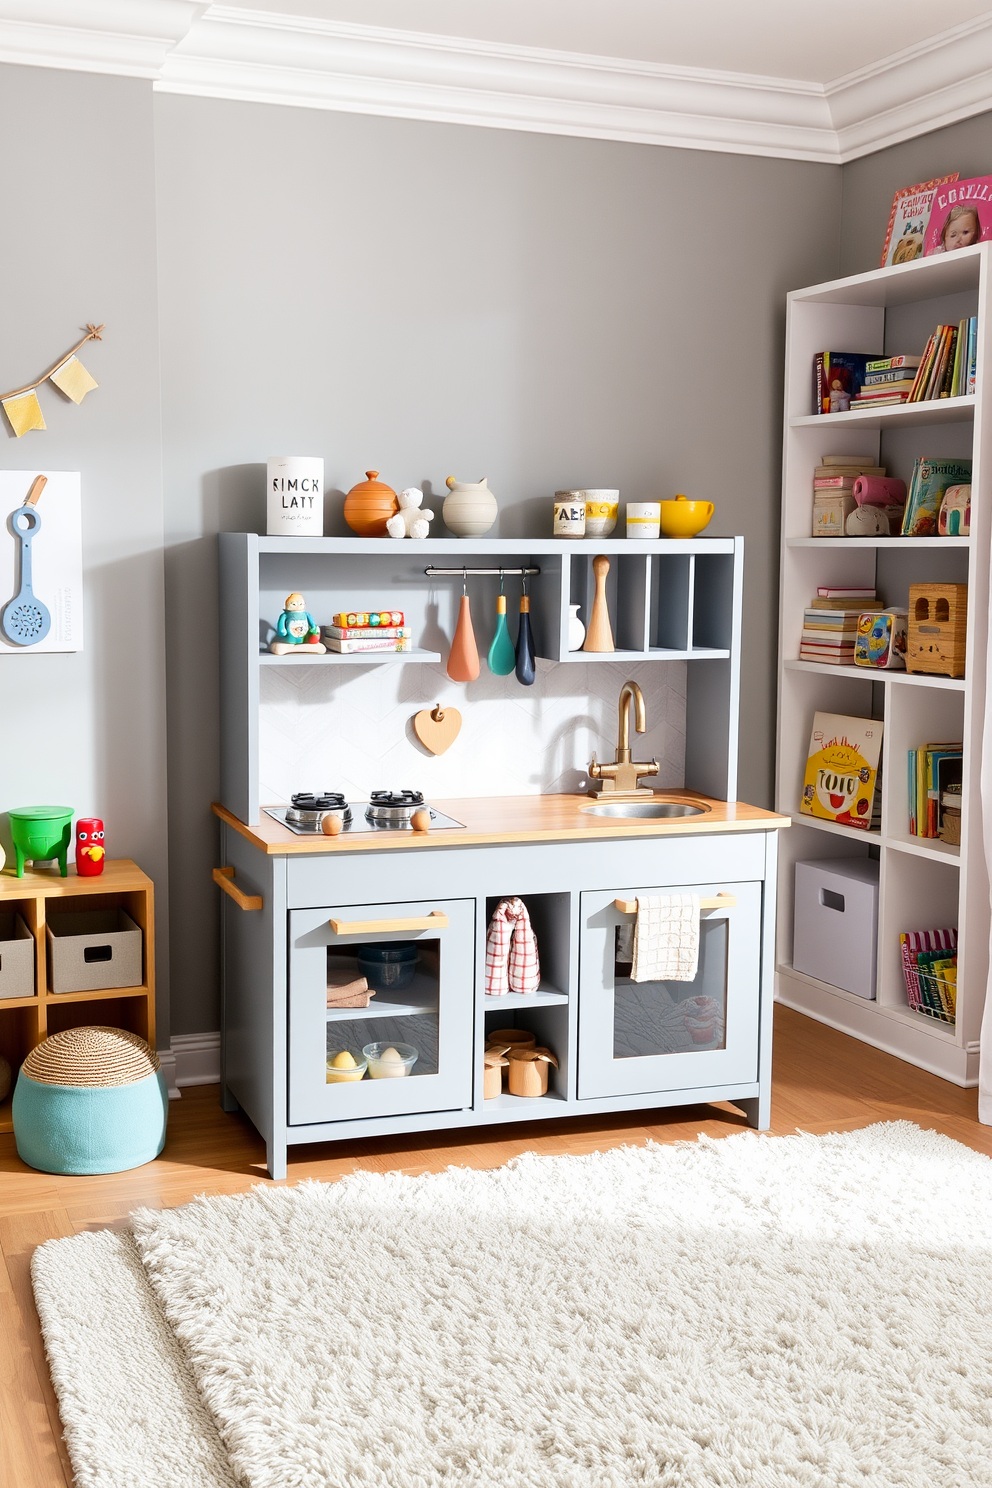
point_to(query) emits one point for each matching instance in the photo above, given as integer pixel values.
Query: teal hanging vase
(502, 657)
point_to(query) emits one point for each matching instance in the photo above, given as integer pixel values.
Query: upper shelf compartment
(904, 415)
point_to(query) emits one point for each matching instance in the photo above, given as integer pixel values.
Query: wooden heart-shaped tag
(437, 728)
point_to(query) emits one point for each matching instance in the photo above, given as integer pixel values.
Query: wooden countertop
(492, 820)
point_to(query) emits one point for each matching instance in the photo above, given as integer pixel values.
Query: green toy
(41, 833)
(502, 657)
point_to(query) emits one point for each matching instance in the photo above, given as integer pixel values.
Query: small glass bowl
(388, 968)
(346, 1076)
(389, 1069)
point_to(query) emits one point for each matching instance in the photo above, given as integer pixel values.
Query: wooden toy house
(937, 617)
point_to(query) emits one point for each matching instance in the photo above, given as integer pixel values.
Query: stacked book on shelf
(949, 363)
(368, 630)
(930, 970)
(887, 380)
(833, 491)
(934, 772)
(830, 624)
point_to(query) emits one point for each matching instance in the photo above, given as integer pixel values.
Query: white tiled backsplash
(350, 728)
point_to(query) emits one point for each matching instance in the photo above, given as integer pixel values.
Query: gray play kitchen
(366, 941)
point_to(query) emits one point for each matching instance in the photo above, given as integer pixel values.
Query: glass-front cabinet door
(380, 1009)
(636, 1037)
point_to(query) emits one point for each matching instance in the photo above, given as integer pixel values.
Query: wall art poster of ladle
(47, 581)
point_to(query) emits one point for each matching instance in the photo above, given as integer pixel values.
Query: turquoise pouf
(90, 1100)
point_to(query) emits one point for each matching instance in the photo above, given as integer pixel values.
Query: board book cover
(841, 768)
(961, 214)
(837, 378)
(930, 480)
(908, 220)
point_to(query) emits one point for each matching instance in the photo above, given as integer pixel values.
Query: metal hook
(501, 581)
(464, 581)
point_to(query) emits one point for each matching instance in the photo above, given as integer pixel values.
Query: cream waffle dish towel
(666, 938)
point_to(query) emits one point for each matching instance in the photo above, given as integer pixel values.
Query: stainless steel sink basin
(648, 809)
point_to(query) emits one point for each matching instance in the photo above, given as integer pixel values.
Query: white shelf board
(379, 1007)
(493, 547)
(351, 658)
(932, 1026)
(871, 674)
(655, 653)
(932, 411)
(902, 1014)
(877, 542)
(925, 847)
(784, 969)
(901, 284)
(834, 828)
(508, 1107)
(543, 997)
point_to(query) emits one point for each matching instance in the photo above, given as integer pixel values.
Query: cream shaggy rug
(798, 1312)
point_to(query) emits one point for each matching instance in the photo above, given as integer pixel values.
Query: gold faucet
(620, 778)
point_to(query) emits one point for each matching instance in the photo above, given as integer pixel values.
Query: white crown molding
(129, 38)
(223, 51)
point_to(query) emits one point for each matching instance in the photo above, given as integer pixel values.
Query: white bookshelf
(924, 883)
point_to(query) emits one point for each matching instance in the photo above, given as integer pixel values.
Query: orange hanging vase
(463, 659)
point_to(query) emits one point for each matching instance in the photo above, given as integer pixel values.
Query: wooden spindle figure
(599, 633)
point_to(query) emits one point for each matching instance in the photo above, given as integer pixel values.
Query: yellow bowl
(684, 518)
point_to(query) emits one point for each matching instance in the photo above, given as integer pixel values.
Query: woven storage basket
(91, 1056)
(90, 1100)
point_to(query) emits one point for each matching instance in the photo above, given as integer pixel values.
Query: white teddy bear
(409, 521)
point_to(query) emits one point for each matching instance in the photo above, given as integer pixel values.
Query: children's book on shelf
(908, 220)
(830, 627)
(930, 480)
(933, 770)
(960, 215)
(842, 770)
(837, 378)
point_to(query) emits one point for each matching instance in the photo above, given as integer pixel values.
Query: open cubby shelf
(26, 1021)
(924, 882)
(669, 600)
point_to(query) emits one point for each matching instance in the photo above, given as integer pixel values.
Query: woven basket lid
(91, 1057)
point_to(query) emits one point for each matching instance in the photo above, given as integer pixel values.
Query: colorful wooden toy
(954, 518)
(880, 641)
(938, 615)
(90, 851)
(296, 628)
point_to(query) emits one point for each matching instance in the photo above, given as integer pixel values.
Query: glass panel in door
(636, 1037)
(380, 1010)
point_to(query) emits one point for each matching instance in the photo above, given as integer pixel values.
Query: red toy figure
(90, 851)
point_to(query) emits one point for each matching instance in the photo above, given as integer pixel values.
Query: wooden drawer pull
(722, 901)
(434, 921)
(224, 877)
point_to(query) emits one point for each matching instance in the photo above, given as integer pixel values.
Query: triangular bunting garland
(73, 379)
(68, 374)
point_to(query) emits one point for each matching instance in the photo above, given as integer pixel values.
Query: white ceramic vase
(576, 630)
(470, 508)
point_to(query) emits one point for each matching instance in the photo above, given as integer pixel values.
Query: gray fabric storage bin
(90, 949)
(16, 956)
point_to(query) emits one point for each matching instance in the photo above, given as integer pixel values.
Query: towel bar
(722, 901)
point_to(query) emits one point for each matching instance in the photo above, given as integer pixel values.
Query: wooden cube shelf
(26, 1021)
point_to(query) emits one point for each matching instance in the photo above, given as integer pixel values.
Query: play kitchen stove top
(388, 811)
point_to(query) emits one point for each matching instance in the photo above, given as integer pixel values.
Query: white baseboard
(192, 1059)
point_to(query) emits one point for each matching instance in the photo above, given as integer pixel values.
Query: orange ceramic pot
(369, 505)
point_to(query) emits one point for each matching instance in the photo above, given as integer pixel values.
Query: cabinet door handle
(434, 921)
(224, 878)
(722, 901)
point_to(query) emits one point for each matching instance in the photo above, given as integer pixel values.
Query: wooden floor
(824, 1081)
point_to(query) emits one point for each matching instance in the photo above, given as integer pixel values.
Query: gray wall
(427, 299)
(88, 729)
(871, 183)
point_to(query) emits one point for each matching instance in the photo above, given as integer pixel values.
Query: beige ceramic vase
(369, 505)
(470, 508)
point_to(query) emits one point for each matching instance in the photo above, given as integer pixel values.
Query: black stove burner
(328, 801)
(396, 798)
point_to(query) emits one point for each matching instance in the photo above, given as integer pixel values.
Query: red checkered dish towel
(512, 963)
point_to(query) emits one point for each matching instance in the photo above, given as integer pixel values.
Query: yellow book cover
(839, 784)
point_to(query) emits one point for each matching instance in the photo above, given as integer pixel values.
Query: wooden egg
(369, 505)
(330, 824)
(420, 821)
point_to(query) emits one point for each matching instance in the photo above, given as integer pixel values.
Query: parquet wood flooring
(823, 1081)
